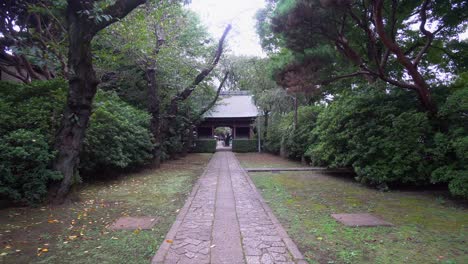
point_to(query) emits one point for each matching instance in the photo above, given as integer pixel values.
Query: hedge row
(204, 146)
(244, 145)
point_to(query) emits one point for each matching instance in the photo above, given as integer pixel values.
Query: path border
(292, 247)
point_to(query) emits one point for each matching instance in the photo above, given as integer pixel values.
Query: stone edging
(158, 258)
(296, 254)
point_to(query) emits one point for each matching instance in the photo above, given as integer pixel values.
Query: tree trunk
(82, 88)
(154, 110)
(266, 115)
(295, 112)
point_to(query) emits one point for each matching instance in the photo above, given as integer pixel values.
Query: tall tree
(401, 43)
(84, 20)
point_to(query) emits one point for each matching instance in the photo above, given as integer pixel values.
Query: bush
(376, 133)
(118, 135)
(274, 137)
(204, 146)
(244, 145)
(451, 148)
(296, 141)
(24, 174)
(36, 106)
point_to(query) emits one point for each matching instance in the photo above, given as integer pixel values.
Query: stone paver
(225, 220)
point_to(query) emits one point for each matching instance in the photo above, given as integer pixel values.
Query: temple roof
(233, 105)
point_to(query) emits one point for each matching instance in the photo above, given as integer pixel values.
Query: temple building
(235, 110)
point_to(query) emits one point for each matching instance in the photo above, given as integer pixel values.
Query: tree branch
(201, 76)
(429, 35)
(117, 11)
(213, 102)
(336, 78)
(14, 74)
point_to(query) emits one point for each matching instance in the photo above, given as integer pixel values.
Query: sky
(216, 14)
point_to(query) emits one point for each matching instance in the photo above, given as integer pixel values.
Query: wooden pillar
(212, 131)
(234, 131)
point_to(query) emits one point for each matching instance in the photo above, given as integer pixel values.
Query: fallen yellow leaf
(45, 250)
(54, 221)
(72, 237)
(169, 241)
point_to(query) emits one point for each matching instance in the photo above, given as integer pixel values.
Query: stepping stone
(357, 220)
(132, 223)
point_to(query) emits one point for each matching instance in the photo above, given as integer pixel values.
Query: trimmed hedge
(204, 146)
(244, 145)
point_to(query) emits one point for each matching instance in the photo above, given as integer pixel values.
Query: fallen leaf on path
(54, 221)
(169, 241)
(72, 237)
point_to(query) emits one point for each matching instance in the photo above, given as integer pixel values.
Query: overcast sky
(216, 14)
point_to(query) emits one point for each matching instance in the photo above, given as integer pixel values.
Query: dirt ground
(77, 232)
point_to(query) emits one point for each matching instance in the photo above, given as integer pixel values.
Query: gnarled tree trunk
(82, 85)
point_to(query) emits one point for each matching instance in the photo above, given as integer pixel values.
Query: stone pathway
(225, 220)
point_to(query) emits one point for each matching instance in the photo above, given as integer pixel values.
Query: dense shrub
(376, 133)
(296, 141)
(36, 106)
(244, 145)
(274, 137)
(25, 157)
(451, 148)
(204, 146)
(118, 135)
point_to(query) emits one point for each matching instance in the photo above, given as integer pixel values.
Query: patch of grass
(77, 232)
(265, 160)
(425, 231)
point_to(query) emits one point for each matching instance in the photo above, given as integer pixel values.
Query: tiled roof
(233, 104)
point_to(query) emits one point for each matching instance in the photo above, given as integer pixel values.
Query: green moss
(425, 230)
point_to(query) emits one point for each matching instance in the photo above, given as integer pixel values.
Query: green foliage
(375, 133)
(244, 145)
(205, 146)
(118, 135)
(36, 106)
(25, 157)
(451, 148)
(296, 141)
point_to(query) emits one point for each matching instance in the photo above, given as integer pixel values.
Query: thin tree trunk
(155, 110)
(295, 112)
(266, 115)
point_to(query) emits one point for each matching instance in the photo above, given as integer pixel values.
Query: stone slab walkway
(225, 220)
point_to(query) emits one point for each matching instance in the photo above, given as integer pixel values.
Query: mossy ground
(429, 228)
(77, 232)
